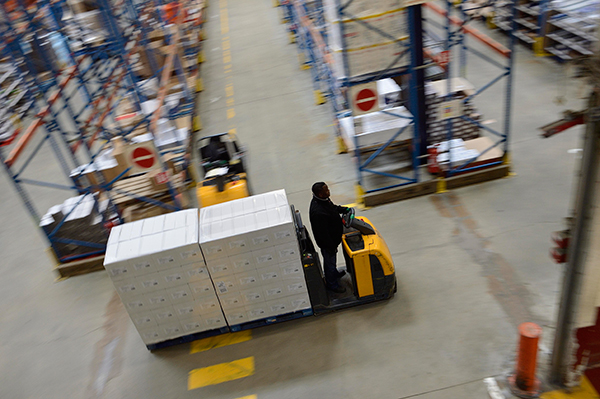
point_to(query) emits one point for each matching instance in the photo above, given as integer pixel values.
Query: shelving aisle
(269, 100)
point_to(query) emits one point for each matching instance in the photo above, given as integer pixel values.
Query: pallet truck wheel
(395, 287)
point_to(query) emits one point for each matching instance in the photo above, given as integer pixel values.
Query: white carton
(172, 277)
(180, 294)
(275, 290)
(136, 304)
(295, 286)
(146, 261)
(192, 325)
(171, 329)
(281, 225)
(214, 320)
(213, 239)
(287, 252)
(127, 289)
(242, 262)
(236, 316)
(225, 285)
(159, 224)
(150, 282)
(165, 315)
(208, 304)
(247, 279)
(151, 335)
(157, 300)
(195, 272)
(292, 270)
(264, 257)
(253, 295)
(202, 288)
(230, 301)
(257, 311)
(143, 321)
(269, 274)
(220, 267)
(278, 307)
(188, 309)
(298, 302)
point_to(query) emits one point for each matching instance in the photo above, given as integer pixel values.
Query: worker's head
(321, 190)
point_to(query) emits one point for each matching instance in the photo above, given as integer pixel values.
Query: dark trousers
(330, 267)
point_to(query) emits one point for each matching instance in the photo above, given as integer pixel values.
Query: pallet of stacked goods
(253, 258)
(159, 272)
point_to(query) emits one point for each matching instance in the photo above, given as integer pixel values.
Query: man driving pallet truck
(327, 229)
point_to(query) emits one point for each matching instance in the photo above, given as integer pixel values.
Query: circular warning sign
(143, 157)
(366, 100)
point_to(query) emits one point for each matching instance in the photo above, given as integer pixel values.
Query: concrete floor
(470, 264)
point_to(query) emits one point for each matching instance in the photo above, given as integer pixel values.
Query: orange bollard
(523, 382)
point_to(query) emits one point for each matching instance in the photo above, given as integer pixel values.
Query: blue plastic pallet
(188, 338)
(271, 320)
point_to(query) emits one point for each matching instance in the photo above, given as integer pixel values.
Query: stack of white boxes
(158, 271)
(252, 254)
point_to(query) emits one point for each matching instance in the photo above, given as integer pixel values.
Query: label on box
(237, 244)
(277, 308)
(209, 305)
(300, 302)
(119, 271)
(189, 254)
(150, 334)
(292, 270)
(186, 310)
(173, 330)
(166, 259)
(248, 280)
(149, 283)
(127, 288)
(142, 266)
(179, 294)
(143, 320)
(265, 258)
(269, 275)
(222, 287)
(221, 268)
(260, 240)
(135, 304)
(257, 312)
(253, 296)
(157, 299)
(199, 271)
(174, 277)
(283, 234)
(287, 252)
(213, 250)
(273, 291)
(194, 325)
(231, 301)
(296, 287)
(241, 263)
(204, 288)
(236, 316)
(214, 320)
(165, 315)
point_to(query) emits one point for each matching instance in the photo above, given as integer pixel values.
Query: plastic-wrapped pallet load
(158, 271)
(372, 44)
(252, 254)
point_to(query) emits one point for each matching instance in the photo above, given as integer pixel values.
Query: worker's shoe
(341, 273)
(338, 290)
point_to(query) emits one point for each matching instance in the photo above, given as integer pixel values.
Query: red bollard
(523, 382)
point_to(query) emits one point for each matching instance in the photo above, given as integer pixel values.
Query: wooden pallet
(76, 268)
(140, 186)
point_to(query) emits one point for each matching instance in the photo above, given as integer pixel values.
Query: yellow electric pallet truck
(224, 166)
(368, 263)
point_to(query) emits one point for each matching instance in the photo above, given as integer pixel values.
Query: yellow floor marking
(229, 90)
(220, 373)
(233, 131)
(230, 102)
(220, 340)
(249, 397)
(226, 59)
(226, 44)
(230, 113)
(352, 205)
(585, 391)
(224, 21)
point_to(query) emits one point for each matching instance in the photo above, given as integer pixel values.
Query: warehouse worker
(327, 228)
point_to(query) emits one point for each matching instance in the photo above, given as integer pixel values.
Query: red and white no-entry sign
(143, 157)
(364, 98)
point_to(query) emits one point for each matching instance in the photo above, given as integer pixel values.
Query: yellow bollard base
(360, 193)
(201, 57)
(342, 149)
(538, 48)
(292, 38)
(441, 186)
(197, 124)
(276, 3)
(199, 85)
(319, 98)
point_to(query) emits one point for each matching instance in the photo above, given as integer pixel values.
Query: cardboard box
(172, 329)
(209, 304)
(274, 290)
(269, 274)
(225, 285)
(257, 311)
(253, 295)
(152, 335)
(264, 258)
(220, 267)
(247, 279)
(299, 302)
(127, 289)
(292, 270)
(143, 321)
(188, 309)
(295, 286)
(196, 272)
(202, 288)
(230, 301)
(193, 325)
(236, 316)
(214, 320)
(180, 294)
(172, 277)
(150, 283)
(278, 307)
(165, 315)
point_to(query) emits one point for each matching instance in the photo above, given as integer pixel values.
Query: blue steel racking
(415, 70)
(73, 96)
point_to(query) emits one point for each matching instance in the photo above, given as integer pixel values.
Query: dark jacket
(326, 223)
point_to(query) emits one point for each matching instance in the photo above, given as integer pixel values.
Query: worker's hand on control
(346, 210)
